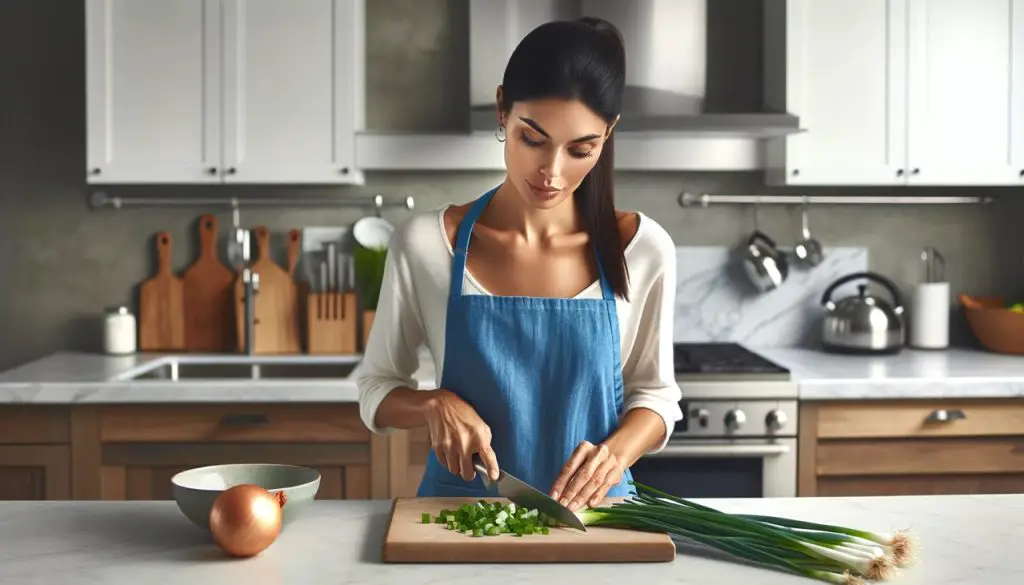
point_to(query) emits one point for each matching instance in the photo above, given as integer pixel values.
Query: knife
(524, 495)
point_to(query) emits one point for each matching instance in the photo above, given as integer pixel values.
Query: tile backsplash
(714, 301)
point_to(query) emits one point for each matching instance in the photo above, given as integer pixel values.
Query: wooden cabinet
(224, 91)
(911, 447)
(117, 452)
(900, 92)
(35, 455)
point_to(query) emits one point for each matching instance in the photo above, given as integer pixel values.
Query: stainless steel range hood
(666, 64)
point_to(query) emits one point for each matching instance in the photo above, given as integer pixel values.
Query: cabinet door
(35, 472)
(964, 91)
(845, 79)
(153, 91)
(293, 90)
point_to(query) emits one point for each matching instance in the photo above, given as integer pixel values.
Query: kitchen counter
(70, 377)
(964, 539)
(954, 373)
(86, 378)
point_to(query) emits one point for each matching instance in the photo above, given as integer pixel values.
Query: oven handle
(721, 451)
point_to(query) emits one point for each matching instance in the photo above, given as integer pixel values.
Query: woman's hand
(456, 433)
(586, 478)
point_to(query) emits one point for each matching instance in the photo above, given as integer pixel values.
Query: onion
(246, 519)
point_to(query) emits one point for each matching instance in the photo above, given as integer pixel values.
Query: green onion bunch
(834, 554)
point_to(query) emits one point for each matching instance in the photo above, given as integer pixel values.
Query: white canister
(119, 331)
(929, 317)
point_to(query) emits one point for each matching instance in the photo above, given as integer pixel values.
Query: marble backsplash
(715, 301)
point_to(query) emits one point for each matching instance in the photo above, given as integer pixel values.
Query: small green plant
(369, 273)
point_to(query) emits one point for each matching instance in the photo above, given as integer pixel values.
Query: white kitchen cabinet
(224, 91)
(900, 92)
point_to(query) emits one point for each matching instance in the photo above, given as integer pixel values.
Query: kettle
(765, 265)
(864, 323)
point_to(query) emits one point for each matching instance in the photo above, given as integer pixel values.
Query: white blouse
(414, 301)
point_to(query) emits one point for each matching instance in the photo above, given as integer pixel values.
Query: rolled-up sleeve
(391, 356)
(649, 372)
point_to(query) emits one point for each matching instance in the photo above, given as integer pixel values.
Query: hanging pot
(765, 265)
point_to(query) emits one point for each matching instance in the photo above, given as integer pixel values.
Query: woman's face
(550, 146)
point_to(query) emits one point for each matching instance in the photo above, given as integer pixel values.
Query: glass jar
(119, 337)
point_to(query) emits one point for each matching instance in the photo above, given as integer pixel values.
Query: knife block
(332, 323)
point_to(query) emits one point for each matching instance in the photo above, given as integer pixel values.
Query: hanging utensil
(808, 249)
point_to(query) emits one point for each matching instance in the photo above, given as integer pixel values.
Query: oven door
(739, 468)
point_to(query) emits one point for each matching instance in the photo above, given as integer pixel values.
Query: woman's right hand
(456, 433)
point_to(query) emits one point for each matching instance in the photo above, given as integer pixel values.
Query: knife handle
(478, 464)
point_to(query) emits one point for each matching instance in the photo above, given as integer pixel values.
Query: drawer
(920, 418)
(38, 425)
(233, 423)
(906, 457)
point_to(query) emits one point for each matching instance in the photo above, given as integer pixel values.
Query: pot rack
(705, 199)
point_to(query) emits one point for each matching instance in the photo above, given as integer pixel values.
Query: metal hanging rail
(99, 199)
(705, 199)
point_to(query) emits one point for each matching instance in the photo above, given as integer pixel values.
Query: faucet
(251, 281)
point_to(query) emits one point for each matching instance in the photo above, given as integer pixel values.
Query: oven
(738, 435)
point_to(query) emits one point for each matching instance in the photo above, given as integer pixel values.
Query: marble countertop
(87, 378)
(70, 377)
(963, 539)
(953, 373)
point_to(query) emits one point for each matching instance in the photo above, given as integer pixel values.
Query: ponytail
(595, 199)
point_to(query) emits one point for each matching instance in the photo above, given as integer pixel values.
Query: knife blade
(524, 495)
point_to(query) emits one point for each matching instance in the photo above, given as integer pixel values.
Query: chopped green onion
(483, 518)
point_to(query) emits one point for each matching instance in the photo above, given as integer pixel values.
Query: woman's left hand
(586, 478)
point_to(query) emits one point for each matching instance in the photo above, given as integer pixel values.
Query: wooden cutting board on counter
(276, 329)
(209, 289)
(161, 300)
(408, 540)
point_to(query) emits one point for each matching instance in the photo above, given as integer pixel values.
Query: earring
(499, 133)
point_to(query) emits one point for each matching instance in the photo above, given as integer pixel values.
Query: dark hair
(580, 59)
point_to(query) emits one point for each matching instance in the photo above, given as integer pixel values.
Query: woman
(554, 363)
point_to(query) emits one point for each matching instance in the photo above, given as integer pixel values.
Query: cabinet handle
(232, 170)
(94, 171)
(211, 171)
(916, 171)
(943, 415)
(244, 420)
(899, 172)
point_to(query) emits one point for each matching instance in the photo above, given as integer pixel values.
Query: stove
(738, 435)
(724, 359)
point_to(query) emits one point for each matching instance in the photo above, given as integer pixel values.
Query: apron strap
(462, 241)
(606, 288)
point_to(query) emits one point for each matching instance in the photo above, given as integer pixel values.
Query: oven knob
(775, 420)
(735, 419)
(702, 415)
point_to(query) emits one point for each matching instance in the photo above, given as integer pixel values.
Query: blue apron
(543, 373)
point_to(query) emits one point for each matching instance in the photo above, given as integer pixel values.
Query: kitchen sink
(245, 368)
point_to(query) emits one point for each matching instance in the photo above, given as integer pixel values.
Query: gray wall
(61, 264)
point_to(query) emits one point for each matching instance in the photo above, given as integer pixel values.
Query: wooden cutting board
(276, 329)
(209, 289)
(408, 540)
(161, 300)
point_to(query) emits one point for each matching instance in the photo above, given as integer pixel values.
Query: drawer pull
(245, 420)
(943, 415)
